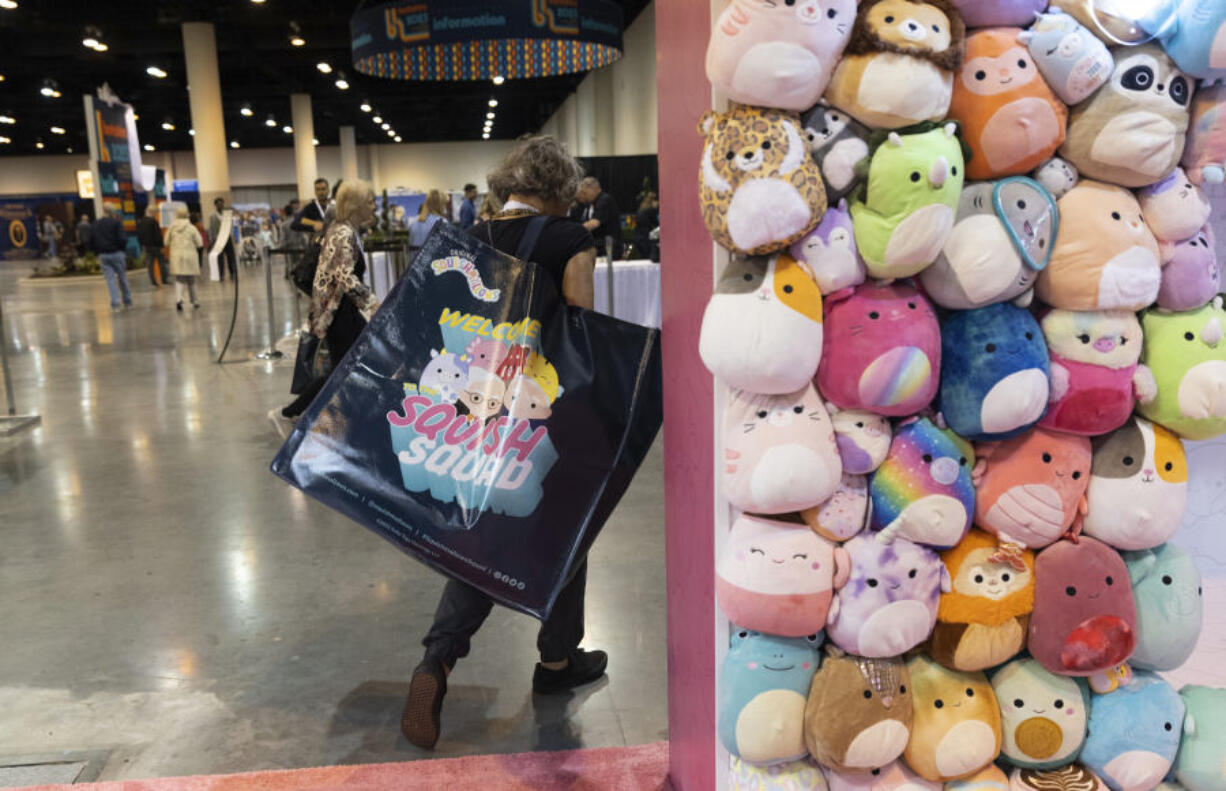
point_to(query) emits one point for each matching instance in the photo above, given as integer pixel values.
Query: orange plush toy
(1011, 119)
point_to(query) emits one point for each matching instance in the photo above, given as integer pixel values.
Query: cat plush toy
(1030, 489)
(838, 143)
(956, 729)
(1095, 373)
(1073, 61)
(1072, 777)
(1201, 762)
(829, 250)
(1131, 132)
(1057, 176)
(1085, 619)
(889, 604)
(844, 514)
(759, 188)
(982, 621)
(778, 577)
(1105, 258)
(923, 491)
(761, 697)
(1011, 119)
(779, 452)
(858, 717)
(778, 54)
(863, 438)
(803, 775)
(998, 13)
(1002, 238)
(898, 67)
(1191, 273)
(1186, 353)
(994, 372)
(1134, 733)
(896, 776)
(762, 329)
(882, 350)
(1138, 486)
(1170, 610)
(1204, 156)
(1174, 208)
(907, 209)
(1043, 715)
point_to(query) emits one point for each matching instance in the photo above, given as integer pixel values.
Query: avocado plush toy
(1043, 715)
(1134, 733)
(1188, 357)
(956, 729)
(1201, 762)
(1170, 608)
(858, 717)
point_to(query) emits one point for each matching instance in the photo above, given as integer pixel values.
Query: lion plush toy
(760, 189)
(899, 65)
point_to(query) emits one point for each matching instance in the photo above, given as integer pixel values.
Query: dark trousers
(154, 255)
(462, 609)
(226, 259)
(347, 324)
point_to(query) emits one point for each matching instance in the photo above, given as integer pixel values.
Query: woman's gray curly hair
(539, 166)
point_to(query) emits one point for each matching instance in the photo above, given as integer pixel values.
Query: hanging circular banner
(452, 40)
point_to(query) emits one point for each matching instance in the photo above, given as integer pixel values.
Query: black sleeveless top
(561, 240)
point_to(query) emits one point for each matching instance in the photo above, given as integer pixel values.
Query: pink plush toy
(779, 452)
(778, 54)
(1191, 273)
(843, 515)
(1174, 208)
(1205, 153)
(884, 347)
(778, 578)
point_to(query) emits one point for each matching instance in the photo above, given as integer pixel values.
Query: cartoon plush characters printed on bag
(982, 621)
(1186, 353)
(778, 54)
(899, 65)
(1043, 716)
(1131, 132)
(444, 377)
(760, 190)
(883, 350)
(1134, 733)
(779, 452)
(956, 728)
(1201, 762)
(762, 329)
(838, 143)
(1095, 372)
(1072, 60)
(1010, 118)
(1191, 272)
(858, 717)
(1138, 486)
(762, 692)
(1204, 156)
(778, 577)
(914, 183)
(1170, 610)
(830, 252)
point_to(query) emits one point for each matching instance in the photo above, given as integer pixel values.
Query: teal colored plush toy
(762, 694)
(1043, 716)
(1166, 587)
(907, 210)
(1134, 733)
(1187, 355)
(994, 372)
(1201, 763)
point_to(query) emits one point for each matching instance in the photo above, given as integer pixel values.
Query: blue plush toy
(1134, 733)
(1201, 763)
(762, 694)
(1166, 586)
(994, 372)
(1072, 59)
(1193, 33)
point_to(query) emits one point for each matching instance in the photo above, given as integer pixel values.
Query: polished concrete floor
(163, 597)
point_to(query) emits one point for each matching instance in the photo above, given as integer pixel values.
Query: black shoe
(179, 306)
(584, 668)
(420, 720)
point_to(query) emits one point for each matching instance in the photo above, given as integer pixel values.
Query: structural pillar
(603, 95)
(204, 95)
(304, 144)
(349, 154)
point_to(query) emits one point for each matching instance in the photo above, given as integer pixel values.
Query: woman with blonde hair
(341, 303)
(185, 243)
(490, 206)
(433, 211)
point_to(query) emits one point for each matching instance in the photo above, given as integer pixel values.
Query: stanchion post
(272, 352)
(11, 423)
(608, 255)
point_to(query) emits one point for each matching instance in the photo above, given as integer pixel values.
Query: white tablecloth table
(636, 291)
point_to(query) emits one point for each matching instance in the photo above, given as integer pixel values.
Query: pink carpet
(623, 768)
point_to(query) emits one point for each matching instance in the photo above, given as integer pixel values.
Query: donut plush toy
(844, 514)
(1057, 176)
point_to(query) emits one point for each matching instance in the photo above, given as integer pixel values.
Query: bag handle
(527, 243)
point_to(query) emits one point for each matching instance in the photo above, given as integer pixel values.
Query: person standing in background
(310, 220)
(149, 234)
(109, 241)
(47, 233)
(647, 227)
(468, 208)
(490, 207)
(433, 211)
(597, 212)
(227, 258)
(84, 231)
(185, 243)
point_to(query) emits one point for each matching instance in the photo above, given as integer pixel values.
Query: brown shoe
(420, 721)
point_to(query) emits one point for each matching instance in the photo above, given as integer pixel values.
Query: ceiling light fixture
(57, 130)
(246, 111)
(493, 102)
(191, 132)
(499, 79)
(315, 141)
(154, 71)
(8, 5)
(485, 135)
(233, 144)
(1, 78)
(270, 121)
(324, 67)
(257, 2)
(490, 116)
(168, 125)
(7, 119)
(91, 37)
(295, 35)
(39, 145)
(377, 119)
(289, 130)
(149, 147)
(342, 83)
(5, 140)
(397, 138)
(366, 108)
(50, 89)
(102, 47)
(385, 126)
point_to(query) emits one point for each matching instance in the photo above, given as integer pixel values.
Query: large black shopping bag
(480, 424)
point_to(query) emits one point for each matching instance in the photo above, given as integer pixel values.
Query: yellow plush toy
(956, 728)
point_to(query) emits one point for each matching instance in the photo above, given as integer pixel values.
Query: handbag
(480, 424)
(310, 362)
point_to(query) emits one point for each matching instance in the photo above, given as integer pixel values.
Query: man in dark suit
(311, 219)
(597, 211)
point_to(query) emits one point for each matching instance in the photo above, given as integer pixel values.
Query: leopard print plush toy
(760, 190)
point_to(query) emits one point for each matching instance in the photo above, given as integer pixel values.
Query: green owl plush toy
(1188, 357)
(906, 212)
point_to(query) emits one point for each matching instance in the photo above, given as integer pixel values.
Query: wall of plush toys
(972, 310)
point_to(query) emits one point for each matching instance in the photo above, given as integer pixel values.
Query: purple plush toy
(889, 605)
(999, 13)
(830, 251)
(1191, 275)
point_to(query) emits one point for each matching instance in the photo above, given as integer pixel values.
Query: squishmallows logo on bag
(457, 263)
(473, 429)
